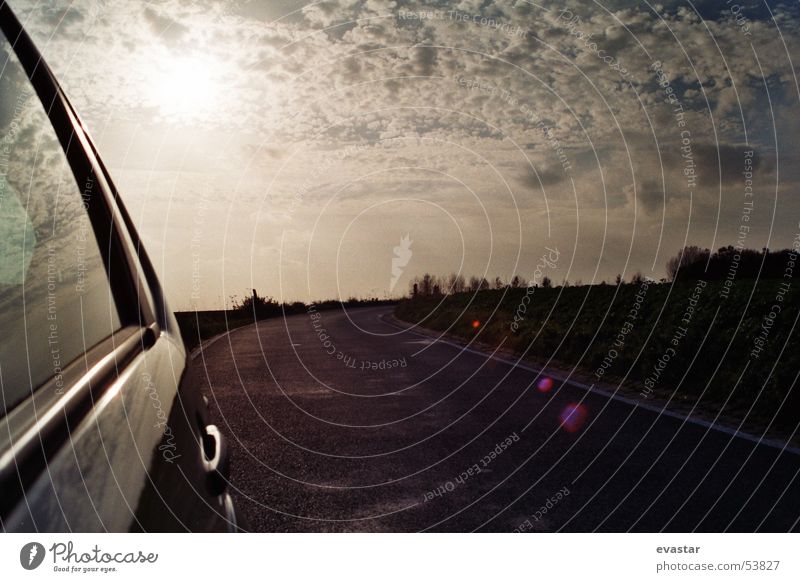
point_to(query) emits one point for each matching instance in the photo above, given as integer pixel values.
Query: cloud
(538, 177)
(650, 194)
(164, 27)
(724, 163)
(316, 78)
(425, 59)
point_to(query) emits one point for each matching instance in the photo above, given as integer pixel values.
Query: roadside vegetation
(732, 346)
(198, 326)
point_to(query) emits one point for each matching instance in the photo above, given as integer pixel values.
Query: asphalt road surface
(341, 421)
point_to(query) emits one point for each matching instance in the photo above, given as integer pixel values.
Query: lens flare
(573, 417)
(545, 384)
(476, 324)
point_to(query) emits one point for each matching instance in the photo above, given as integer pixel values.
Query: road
(341, 421)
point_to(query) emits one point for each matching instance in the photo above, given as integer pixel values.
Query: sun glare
(186, 87)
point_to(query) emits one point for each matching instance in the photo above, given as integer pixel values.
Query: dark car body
(117, 437)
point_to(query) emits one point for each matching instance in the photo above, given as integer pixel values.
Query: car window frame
(34, 430)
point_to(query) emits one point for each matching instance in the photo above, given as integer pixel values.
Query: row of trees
(432, 285)
(698, 263)
(428, 284)
(691, 263)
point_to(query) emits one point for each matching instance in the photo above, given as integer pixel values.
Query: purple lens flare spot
(545, 384)
(573, 417)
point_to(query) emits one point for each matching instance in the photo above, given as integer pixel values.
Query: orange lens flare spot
(476, 324)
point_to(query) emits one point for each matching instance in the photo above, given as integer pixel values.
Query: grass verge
(736, 352)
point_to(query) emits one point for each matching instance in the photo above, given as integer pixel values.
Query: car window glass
(55, 298)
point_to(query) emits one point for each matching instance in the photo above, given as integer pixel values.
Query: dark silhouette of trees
(256, 305)
(689, 258)
(691, 263)
(456, 283)
(694, 263)
(430, 285)
(426, 287)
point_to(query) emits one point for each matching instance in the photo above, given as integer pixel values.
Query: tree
(689, 259)
(427, 284)
(547, 283)
(498, 283)
(618, 279)
(456, 283)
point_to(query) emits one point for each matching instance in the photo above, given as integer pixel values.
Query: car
(103, 424)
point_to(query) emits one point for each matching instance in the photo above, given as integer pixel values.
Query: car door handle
(215, 460)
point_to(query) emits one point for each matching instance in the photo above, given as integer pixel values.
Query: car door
(102, 423)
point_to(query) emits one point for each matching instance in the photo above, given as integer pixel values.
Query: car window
(55, 298)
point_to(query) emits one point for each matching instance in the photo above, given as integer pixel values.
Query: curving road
(344, 422)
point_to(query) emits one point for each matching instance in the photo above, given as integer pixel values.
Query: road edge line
(770, 442)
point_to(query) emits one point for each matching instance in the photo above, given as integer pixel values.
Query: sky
(318, 150)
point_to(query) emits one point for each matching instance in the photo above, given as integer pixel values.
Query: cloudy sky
(290, 146)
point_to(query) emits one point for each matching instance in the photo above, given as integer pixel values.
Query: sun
(185, 88)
